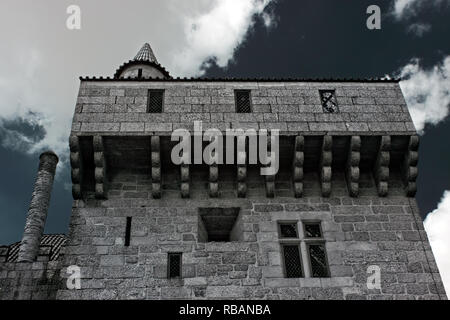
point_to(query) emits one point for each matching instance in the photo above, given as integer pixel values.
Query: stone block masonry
(341, 203)
(117, 107)
(359, 232)
(38, 280)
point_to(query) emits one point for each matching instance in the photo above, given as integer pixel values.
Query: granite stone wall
(359, 232)
(39, 280)
(119, 107)
(113, 161)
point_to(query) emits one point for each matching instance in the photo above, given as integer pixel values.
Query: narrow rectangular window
(128, 232)
(315, 245)
(318, 260)
(243, 101)
(292, 261)
(139, 73)
(174, 265)
(155, 101)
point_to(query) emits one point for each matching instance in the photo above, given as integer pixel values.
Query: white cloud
(407, 8)
(419, 29)
(25, 99)
(216, 33)
(437, 225)
(403, 7)
(427, 92)
(41, 60)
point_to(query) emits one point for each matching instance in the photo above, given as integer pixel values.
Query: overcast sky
(41, 60)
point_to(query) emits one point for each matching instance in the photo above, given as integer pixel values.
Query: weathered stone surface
(358, 227)
(288, 109)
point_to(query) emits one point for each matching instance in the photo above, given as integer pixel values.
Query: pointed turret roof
(146, 54)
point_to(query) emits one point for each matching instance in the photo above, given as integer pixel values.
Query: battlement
(367, 121)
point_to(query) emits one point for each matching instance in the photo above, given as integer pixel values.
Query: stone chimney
(37, 213)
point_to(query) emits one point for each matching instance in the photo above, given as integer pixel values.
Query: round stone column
(37, 212)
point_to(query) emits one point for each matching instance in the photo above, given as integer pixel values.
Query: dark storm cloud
(23, 132)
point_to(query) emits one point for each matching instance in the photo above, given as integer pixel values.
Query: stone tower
(338, 220)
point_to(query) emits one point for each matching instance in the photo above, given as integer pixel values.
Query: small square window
(155, 101)
(217, 225)
(292, 261)
(288, 230)
(328, 100)
(174, 265)
(312, 230)
(318, 260)
(243, 101)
